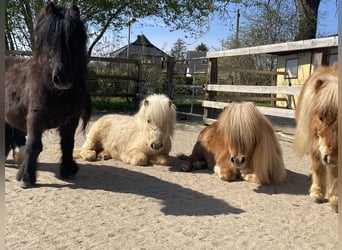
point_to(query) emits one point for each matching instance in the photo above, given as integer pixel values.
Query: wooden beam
(281, 112)
(277, 48)
(254, 89)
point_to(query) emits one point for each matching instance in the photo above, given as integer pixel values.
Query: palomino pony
(48, 90)
(317, 130)
(242, 141)
(142, 139)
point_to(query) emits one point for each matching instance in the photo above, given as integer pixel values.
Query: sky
(164, 39)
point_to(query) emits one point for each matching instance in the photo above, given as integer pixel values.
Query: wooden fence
(211, 104)
(115, 77)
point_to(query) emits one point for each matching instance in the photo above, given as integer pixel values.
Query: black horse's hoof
(25, 180)
(26, 184)
(68, 173)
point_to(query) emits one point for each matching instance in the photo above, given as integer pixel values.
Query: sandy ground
(111, 205)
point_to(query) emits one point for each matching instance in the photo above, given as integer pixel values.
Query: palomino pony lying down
(317, 130)
(142, 139)
(242, 141)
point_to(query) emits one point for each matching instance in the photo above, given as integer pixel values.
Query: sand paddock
(111, 205)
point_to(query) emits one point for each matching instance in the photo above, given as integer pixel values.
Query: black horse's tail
(86, 109)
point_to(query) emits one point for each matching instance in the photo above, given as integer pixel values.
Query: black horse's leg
(8, 139)
(27, 171)
(69, 167)
(19, 137)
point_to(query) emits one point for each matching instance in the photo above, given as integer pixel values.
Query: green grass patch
(185, 106)
(118, 104)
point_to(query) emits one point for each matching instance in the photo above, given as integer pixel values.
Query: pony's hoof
(68, 173)
(26, 184)
(317, 200)
(186, 168)
(334, 207)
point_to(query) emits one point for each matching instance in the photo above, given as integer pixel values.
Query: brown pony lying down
(241, 142)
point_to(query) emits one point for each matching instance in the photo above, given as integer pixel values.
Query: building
(142, 49)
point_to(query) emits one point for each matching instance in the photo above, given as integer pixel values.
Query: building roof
(141, 46)
(279, 48)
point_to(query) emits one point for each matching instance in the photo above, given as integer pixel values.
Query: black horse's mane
(61, 29)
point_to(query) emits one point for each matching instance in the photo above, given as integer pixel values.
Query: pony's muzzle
(156, 146)
(59, 80)
(238, 162)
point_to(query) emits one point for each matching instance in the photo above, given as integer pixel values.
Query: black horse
(48, 90)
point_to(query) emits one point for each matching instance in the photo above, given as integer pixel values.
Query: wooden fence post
(170, 74)
(137, 86)
(210, 95)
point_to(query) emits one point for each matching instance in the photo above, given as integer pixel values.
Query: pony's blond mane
(244, 126)
(160, 110)
(238, 122)
(316, 100)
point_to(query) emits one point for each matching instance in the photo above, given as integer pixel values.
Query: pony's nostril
(238, 162)
(243, 160)
(56, 79)
(156, 146)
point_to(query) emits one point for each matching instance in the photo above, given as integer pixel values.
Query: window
(333, 59)
(291, 68)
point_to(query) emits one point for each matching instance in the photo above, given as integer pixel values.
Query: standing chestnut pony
(142, 139)
(242, 141)
(317, 130)
(48, 90)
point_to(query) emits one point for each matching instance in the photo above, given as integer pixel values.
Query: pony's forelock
(316, 100)
(160, 110)
(239, 123)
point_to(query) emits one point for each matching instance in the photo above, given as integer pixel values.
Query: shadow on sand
(176, 199)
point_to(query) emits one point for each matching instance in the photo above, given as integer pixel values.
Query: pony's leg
(318, 186)
(332, 192)
(251, 177)
(19, 142)
(248, 174)
(196, 160)
(104, 155)
(68, 167)
(88, 154)
(27, 170)
(164, 160)
(8, 139)
(134, 157)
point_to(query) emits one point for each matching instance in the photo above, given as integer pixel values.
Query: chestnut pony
(317, 130)
(242, 141)
(48, 90)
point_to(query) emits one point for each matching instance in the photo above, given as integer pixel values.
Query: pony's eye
(321, 118)
(148, 121)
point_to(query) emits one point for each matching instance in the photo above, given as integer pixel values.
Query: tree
(307, 12)
(101, 16)
(202, 47)
(178, 50)
(307, 15)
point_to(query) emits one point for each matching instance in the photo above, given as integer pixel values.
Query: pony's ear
(145, 102)
(170, 103)
(318, 85)
(75, 8)
(50, 7)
